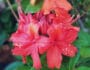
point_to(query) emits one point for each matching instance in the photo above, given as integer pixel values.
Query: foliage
(13, 65)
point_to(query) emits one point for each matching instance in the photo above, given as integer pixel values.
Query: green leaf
(85, 52)
(14, 6)
(5, 16)
(84, 62)
(29, 61)
(23, 67)
(63, 67)
(13, 65)
(18, 57)
(83, 39)
(32, 68)
(83, 68)
(3, 38)
(73, 61)
(27, 7)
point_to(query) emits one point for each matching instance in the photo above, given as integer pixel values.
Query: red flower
(51, 33)
(61, 39)
(27, 40)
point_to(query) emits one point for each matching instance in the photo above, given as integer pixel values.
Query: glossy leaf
(27, 7)
(83, 68)
(85, 52)
(83, 39)
(73, 61)
(14, 65)
(23, 67)
(3, 37)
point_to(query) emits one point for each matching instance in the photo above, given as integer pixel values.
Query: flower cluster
(51, 33)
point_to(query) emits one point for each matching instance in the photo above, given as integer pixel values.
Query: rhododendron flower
(61, 39)
(52, 4)
(51, 33)
(27, 40)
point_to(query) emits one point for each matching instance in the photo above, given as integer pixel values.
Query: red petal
(54, 57)
(33, 29)
(20, 39)
(50, 5)
(36, 59)
(62, 16)
(43, 44)
(28, 27)
(69, 50)
(43, 25)
(54, 32)
(19, 51)
(70, 34)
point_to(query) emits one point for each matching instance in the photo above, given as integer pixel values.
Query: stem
(14, 14)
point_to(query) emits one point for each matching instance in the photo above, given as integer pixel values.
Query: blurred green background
(8, 25)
